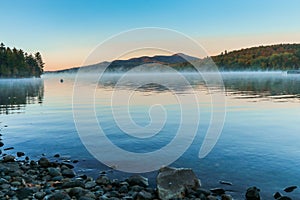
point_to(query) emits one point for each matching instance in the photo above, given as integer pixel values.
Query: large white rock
(172, 182)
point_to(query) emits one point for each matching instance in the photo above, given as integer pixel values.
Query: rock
(53, 171)
(20, 154)
(284, 198)
(210, 197)
(172, 182)
(138, 180)
(102, 180)
(226, 197)
(253, 193)
(203, 191)
(8, 158)
(68, 173)
(90, 184)
(68, 165)
(277, 195)
(72, 184)
(57, 178)
(4, 186)
(16, 183)
(76, 191)
(225, 182)
(39, 195)
(44, 162)
(56, 155)
(137, 188)
(143, 195)
(87, 198)
(2, 181)
(59, 196)
(123, 189)
(113, 194)
(290, 189)
(218, 191)
(24, 193)
(1, 144)
(9, 148)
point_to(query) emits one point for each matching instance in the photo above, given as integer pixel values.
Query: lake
(258, 145)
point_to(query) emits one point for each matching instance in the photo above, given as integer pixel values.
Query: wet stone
(290, 189)
(68, 173)
(53, 171)
(44, 162)
(8, 158)
(39, 195)
(90, 184)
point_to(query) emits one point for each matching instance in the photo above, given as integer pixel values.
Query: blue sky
(65, 31)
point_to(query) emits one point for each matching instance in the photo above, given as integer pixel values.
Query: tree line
(263, 58)
(273, 57)
(17, 63)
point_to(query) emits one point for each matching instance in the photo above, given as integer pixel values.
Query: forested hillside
(274, 57)
(17, 63)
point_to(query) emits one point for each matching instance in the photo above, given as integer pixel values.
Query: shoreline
(23, 178)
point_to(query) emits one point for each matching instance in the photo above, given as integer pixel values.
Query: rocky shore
(43, 179)
(22, 178)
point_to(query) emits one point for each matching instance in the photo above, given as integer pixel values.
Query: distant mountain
(272, 57)
(125, 65)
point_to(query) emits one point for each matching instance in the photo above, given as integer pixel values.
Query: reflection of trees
(254, 84)
(16, 93)
(264, 86)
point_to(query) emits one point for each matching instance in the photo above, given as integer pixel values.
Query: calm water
(259, 144)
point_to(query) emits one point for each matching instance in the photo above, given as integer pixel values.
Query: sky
(66, 31)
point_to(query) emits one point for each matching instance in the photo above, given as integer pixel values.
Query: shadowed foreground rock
(253, 193)
(173, 183)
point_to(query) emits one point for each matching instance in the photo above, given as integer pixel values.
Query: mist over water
(258, 145)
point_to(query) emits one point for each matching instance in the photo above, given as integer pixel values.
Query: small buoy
(61, 80)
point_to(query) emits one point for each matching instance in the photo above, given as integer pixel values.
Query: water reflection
(262, 86)
(16, 93)
(239, 85)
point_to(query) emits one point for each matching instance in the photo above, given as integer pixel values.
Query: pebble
(9, 148)
(56, 156)
(102, 180)
(53, 171)
(290, 189)
(39, 195)
(218, 191)
(143, 195)
(138, 180)
(90, 184)
(225, 182)
(20, 154)
(68, 173)
(284, 198)
(8, 158)
(44, 162)
(277, 195)
(253, 193)
(226, 197)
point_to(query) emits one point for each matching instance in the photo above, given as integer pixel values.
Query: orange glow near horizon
(214, 45)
